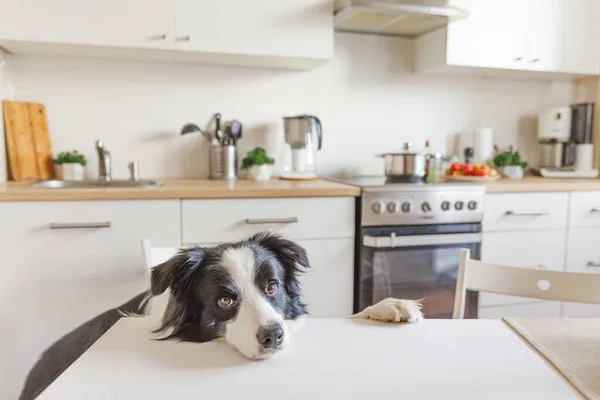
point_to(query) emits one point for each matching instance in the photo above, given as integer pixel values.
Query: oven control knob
(459, 205)
(446, 205)
(393, 207)
(406, 207)
(425, 207)
(472, 205)
(378, 207)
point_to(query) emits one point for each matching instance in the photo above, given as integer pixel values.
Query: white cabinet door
(328, 288)
(562, 36)
(583, 255)
(55, 279)
(302, 29)
(493, 36)
(536, 249)
(130, 23)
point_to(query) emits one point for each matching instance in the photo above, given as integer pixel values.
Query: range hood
(409, 18)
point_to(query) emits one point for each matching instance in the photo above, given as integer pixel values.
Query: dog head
(243, 292)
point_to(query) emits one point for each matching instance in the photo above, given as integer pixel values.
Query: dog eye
(271, 288)
(225, 302)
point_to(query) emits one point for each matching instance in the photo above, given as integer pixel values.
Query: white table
(329, 359)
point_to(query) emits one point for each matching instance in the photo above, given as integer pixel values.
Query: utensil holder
(223, 162)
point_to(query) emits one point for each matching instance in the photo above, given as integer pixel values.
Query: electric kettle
(300, 146)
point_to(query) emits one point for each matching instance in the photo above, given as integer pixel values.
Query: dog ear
(175, 270)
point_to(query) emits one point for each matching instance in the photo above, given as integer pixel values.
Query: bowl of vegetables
(510, 164)
(471, 173)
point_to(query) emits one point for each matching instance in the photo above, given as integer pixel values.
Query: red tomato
(455, 167)
(467, 169)
(479, 172)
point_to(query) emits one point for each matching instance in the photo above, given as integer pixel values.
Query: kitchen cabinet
(55, 279)
(271, 33)
(551, 36)
(132, 23)
(328, 287)
(583, 255)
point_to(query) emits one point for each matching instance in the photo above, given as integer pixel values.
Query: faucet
(104, 164)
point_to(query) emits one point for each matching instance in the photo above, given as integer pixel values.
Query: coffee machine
(300, 146)
(565, 142)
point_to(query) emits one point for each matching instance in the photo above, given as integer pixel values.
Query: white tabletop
(329, 359)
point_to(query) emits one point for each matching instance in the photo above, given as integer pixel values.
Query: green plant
(258, 156)
(508, 158)
(67, 157)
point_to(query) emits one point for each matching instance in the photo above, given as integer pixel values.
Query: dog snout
(270, 336)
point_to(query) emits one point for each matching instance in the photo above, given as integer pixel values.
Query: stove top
(384, 203)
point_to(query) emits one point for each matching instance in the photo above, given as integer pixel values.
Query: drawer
(216, 221)
(542, 249)
(584, 210)
(545, 309)
(527, 211)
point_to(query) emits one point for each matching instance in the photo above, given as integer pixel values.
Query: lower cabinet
(328, 286)
(63, 263)
(583, 255)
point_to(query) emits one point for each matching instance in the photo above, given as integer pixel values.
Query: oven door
(415, 263)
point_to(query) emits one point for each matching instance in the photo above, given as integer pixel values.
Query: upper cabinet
(271, 33)
(555, 36)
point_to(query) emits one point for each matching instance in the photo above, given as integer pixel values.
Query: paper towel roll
(483, 145)
(584, 157)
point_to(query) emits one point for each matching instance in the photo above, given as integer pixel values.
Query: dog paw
(392, 310)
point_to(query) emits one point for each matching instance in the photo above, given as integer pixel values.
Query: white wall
(367, 98)
(5, 93)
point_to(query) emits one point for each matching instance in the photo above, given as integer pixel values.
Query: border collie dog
(246, 293)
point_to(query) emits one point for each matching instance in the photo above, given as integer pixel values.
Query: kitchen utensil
(235, 130)
(27, 141)
(300, 146)
(551, 154)
(223, 162)
(465, 178)
(218, 131)
(469, 153)
(408, 165)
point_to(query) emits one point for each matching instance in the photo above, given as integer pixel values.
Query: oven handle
(392, 241)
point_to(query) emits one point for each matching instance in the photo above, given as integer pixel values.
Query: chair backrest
(156, 255)
(523, 282)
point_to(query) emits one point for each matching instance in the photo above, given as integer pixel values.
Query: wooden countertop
(185, 189)
(539, 184)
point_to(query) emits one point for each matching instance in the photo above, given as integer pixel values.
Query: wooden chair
(523, 282)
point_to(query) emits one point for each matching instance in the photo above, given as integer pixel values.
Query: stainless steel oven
(408, 240)
(415, 262)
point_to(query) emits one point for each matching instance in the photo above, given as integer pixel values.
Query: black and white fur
(259, 279)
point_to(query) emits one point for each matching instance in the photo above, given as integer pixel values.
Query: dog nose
(270, 336)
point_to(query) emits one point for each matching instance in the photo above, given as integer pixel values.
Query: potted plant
(70, 166)
(510, 165)
(258, 165)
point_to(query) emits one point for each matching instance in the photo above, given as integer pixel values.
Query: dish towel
(571, 346)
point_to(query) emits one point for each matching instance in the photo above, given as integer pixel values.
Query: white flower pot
(70, 172)
(512, 171)
(259, 172)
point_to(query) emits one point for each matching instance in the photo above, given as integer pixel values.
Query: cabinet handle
(183, 38)
(541, 266)
(158, 37)
(518, 58)
(80, 225)
(535, 60)
(259, 221)
(595, 210)
(527, 213)
(592, 264)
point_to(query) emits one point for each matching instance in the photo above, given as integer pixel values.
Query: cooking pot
(406, 166)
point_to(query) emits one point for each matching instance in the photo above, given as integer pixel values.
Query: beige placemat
(572, 346)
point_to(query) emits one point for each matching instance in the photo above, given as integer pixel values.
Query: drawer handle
(260, 221)
(527, 213)
(592, 264)
(595, 210)
(80, 225)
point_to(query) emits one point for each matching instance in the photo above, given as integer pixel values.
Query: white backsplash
(367, 98)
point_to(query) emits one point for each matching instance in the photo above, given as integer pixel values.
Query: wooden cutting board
(27, 141)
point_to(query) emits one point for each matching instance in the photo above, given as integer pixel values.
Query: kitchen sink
(116, 183)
